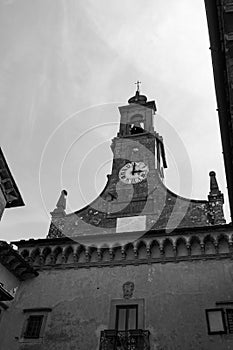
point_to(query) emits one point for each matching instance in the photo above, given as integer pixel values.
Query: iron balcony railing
(137, 339)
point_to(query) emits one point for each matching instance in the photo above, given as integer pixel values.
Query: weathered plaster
(176, 296)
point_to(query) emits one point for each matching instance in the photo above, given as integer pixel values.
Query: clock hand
(133, 171)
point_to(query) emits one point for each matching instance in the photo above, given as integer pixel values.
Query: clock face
(133, 172)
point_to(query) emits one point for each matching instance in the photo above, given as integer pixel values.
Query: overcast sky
(65, 67)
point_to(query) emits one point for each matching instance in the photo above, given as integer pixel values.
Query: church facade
(138, 268)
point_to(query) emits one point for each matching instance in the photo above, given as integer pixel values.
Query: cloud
(60, 57)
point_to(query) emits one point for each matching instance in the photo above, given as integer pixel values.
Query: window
(33, 327)
(219, 321)
(126, 328)
(126, 317)
(215, 321)
(137, 125)
(34, 324)
(126, 314)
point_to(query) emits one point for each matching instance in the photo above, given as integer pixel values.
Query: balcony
(137, 339)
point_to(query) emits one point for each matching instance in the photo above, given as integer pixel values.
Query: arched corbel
(216, 246)
(111, 253)
(188, 246)
(202, 245)
(161, 248)
(174, 247)
(52, 259)
(75, 257)
(123, 255)
(135, 250)
(148, 250)
(87, 254)
(99, 254)
(41, 259)
(63, 256)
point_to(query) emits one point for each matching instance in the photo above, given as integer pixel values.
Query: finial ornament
(213, 183)
(138, 87)
(138, 98)
(61, 204)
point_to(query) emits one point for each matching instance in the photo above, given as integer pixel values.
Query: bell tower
(138, 158)
(138, 162)
(135, 198)
(137, 140)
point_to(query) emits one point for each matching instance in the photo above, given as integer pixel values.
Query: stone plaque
(131, 223)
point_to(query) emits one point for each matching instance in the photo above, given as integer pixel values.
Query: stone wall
(175, 296)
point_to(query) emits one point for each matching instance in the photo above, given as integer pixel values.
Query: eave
(4, 294)
(8, 185)
(63, 253)
(109, 238)
(222, 87)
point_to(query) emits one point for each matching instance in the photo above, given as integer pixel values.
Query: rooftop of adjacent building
(220, 19)
(15, 263)
(8, 185)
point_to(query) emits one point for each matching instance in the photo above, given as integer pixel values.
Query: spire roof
(214, 189)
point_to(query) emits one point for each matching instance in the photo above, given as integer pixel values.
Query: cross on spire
(137, 83)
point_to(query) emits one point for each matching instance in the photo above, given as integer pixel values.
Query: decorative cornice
(154, 247)
(105, 237)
